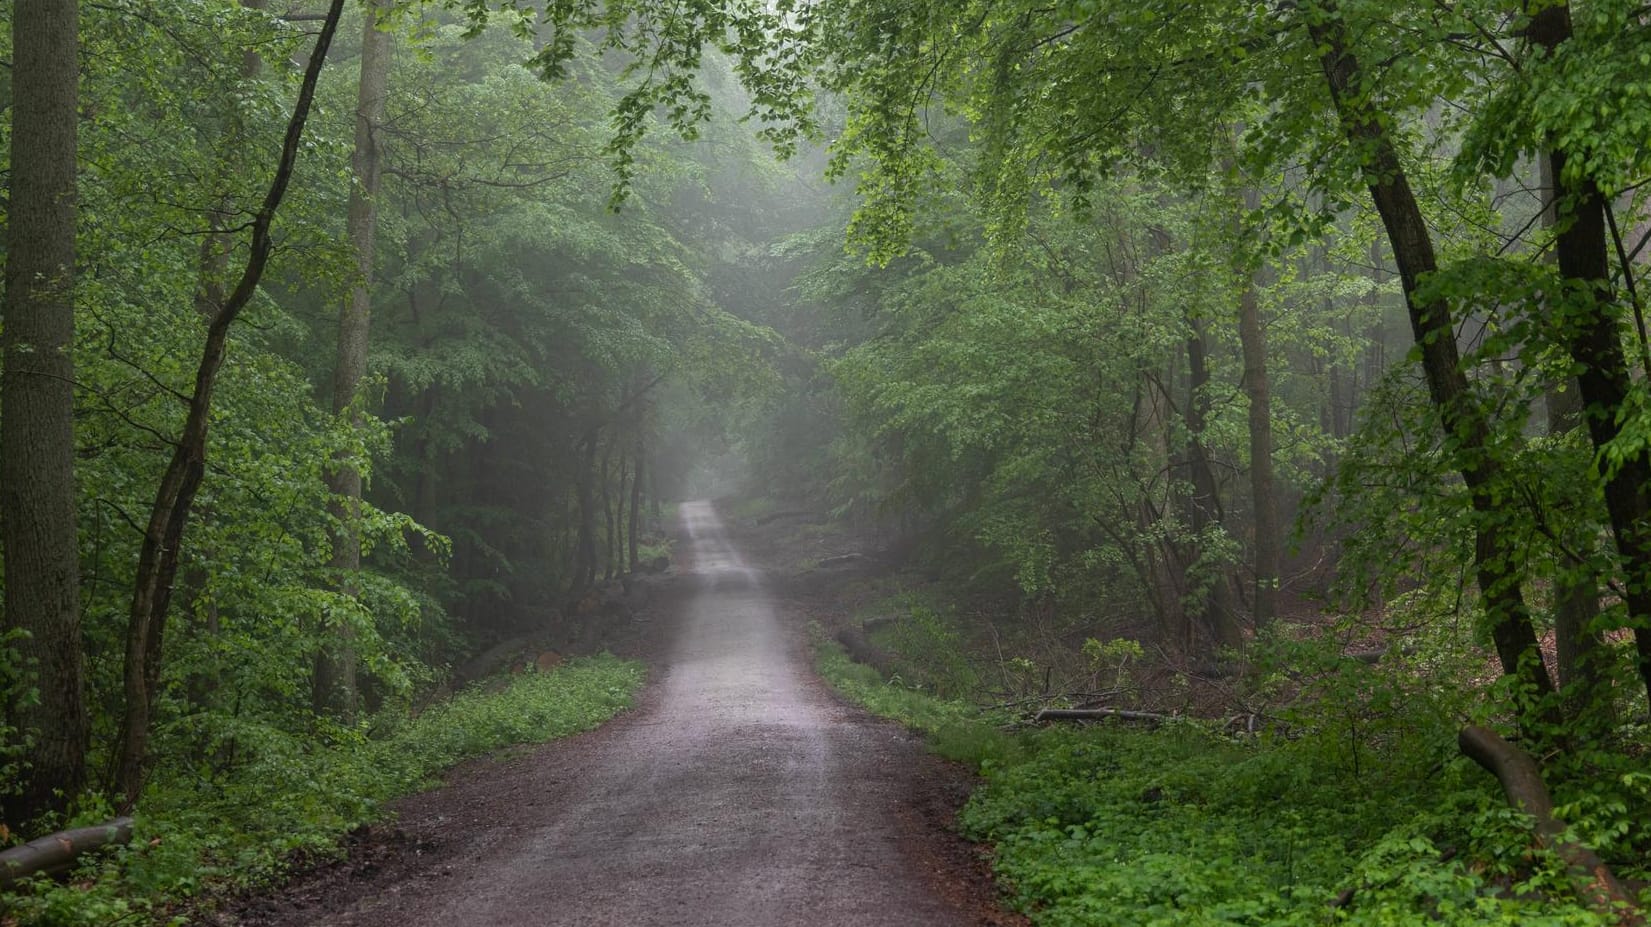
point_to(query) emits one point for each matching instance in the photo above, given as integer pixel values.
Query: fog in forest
(1204, 422)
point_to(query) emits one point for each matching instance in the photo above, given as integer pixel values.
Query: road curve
(740, 794)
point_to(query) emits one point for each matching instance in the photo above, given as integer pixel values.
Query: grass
(956, 730)
(203, 833)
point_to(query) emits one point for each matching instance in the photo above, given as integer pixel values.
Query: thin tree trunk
(609, 552)
(584, 572)
(616, 558)
(1268, 549)
(1495, 558)
(158, 555)
(37, 450)
(636, 503)
(335, 683)
(1217, 611)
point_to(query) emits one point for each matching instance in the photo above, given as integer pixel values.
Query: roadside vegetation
(228, 826)
(1349, 805)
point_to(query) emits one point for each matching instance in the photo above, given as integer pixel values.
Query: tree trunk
(158, 554)
(1579, 648)
(1268, 548)
(621, 499)
(55, 853)
(1216, 611)
(335, 684)
(609, 551)
(37, 451)
(636, 504)
(1495, 557)
(584, 571)
(1522, 784)
(1591, 327)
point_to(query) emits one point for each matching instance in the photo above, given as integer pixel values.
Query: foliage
(957, 730)
(1119, 827)
(203, 831)
(1364, 803)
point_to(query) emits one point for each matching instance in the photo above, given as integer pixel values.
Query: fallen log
(56, 853)
(1097, 714)
(862, 650)
(1522, 783)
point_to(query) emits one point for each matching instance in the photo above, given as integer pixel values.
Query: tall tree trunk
(37, 448)
(616, 549)
(1216, 610)
(158, 554)
(609, 551)
(335, 683)
(1592, 327)
(1159, 572)
(1496, 561)
(1578, 646)
(1268, 549)
(636, 503)
(584, 571)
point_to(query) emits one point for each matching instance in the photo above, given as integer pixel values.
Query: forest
(1249, 403)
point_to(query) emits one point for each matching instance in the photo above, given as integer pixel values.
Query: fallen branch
(1373, 657)
(840, 560)
(791, 513)
(1522, 783)
(55, 853)
(1097, 714)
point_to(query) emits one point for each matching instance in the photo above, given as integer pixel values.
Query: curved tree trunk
(38, 534)
(1522, 783)
(158, 554)
(1496, 561)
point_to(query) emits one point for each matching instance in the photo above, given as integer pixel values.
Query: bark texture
(1578, 647)
(37, 452)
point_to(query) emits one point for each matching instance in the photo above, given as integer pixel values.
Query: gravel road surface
(740, 793)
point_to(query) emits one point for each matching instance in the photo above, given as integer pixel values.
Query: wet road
(741, 793)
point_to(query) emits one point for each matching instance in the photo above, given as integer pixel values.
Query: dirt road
(739, 794)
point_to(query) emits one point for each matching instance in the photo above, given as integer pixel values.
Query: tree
(335, 685)
(38, 532)
(163, 535)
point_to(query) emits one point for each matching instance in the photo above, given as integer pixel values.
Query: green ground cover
(196, 832)
(1113, 826)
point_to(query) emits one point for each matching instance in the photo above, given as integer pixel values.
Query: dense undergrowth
(202, 834)
(1186, 825)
